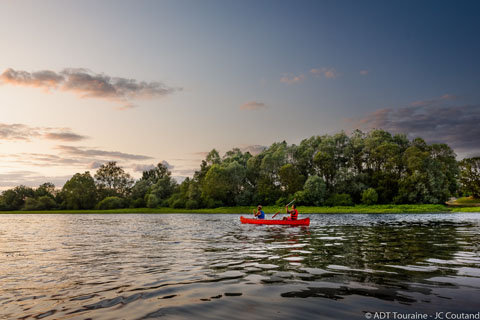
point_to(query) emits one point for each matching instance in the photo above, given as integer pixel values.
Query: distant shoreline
(270, 210)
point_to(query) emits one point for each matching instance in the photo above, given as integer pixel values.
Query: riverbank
(407, 208)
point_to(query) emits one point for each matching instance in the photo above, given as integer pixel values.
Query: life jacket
(294, 214)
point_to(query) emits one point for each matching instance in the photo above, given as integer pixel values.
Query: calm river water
(192, 266)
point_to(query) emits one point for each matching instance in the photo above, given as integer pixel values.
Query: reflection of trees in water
(389, 257)
(393, 261)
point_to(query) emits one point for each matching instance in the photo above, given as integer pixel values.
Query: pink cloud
(253, 105)
(87, 84)
(292, 79)
(328, 73)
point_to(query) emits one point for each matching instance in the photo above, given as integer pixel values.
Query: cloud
(253, 105)
(46, 160)
(455, 125)
(85, 152)
(142, 167)
(22, 132)
(29, 178)
(253, 149)
(328, 73)
(87, 84)
(202, 154)
(185, 172)
(17, 131)
(95, 165)
(168, 165)
(364, 72)
(292, 79)
(64, 136)
(434, 101)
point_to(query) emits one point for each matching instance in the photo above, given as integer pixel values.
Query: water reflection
(184, 266)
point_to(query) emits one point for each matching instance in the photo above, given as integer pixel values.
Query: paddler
(293, 213)
(259, 214)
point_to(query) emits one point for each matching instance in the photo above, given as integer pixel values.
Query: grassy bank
(273, 209)
(467, 201)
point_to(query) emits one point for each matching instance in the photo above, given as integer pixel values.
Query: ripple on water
(150, 266)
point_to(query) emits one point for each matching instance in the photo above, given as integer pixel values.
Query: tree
(313, 193)
(45, 189)
(470, 176)
(291, 179)
(111, 203)
(41, 203)
(223, 182)
(79, 192)
(113, 180)
(369, 196)
(157, 181)
(14, 199)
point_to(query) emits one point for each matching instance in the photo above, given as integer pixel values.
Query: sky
(143, 82)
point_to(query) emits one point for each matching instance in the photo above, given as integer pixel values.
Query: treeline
(368, 168)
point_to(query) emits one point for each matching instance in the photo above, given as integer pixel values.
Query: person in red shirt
(293, 213)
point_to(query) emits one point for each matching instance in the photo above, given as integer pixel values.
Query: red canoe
(299, 222)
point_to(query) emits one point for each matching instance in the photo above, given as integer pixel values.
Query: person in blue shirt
(259, 214)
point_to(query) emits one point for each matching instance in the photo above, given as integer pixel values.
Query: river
(209, 266)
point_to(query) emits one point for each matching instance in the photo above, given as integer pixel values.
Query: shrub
(138, 203)
(369, 196)
(313, 192)
(111, 203)
(152, 201)
(339, 199)
(42, 203)
(191, 204)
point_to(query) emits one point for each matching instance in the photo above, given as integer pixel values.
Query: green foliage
(470, 176)
(46, 189)
(112, 180)
(138, 203)
(291, 179)
(313, 193)
(41, 203)
(152, 201)
(79, 192)
(369, 196)
(111, 203)
(339, 199)
(468, 200)
(339, 169)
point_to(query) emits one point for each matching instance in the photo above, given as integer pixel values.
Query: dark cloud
(87, 84)
(146, 167)
(458, 126)
(64, 136)
(92, 153)
(22, 132)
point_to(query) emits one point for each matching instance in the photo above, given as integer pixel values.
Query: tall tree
(79, 192)
(112, 180)
(470, 176)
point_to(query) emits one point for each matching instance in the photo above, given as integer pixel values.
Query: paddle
(281, 210)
